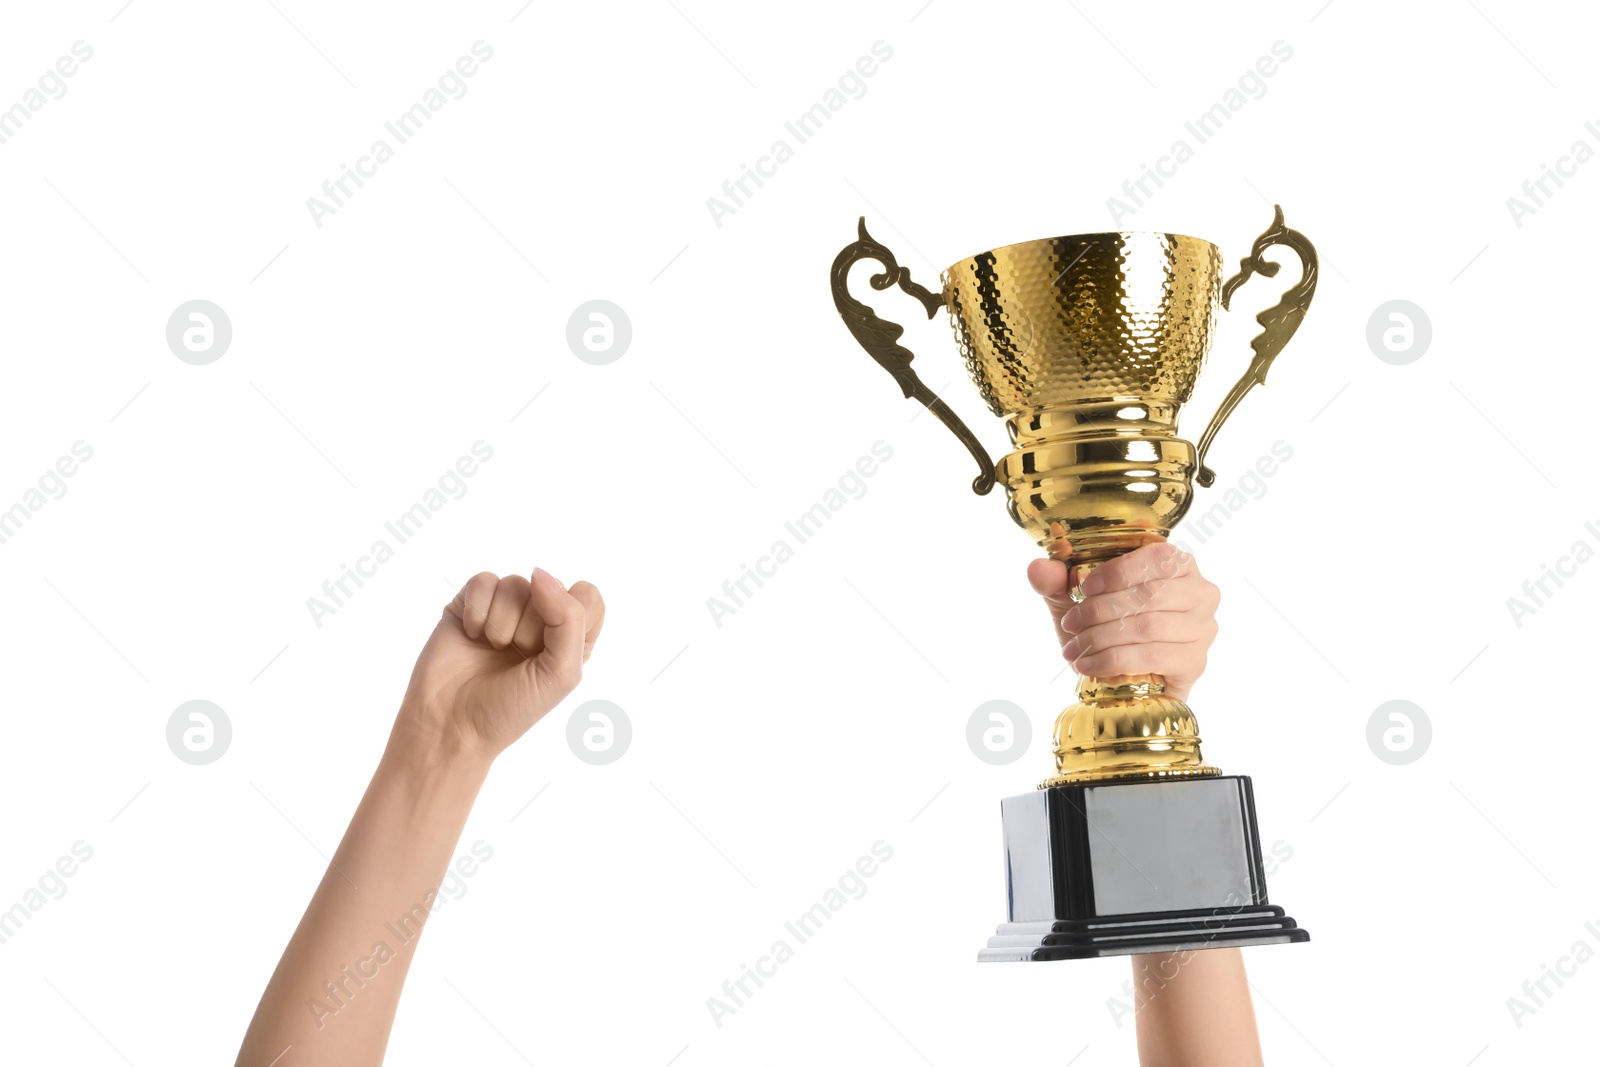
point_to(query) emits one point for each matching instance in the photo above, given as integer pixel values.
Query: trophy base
(1129, 934)
(1115, 868)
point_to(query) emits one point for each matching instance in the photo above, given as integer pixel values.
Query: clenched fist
(505, 651)
(1148, 612)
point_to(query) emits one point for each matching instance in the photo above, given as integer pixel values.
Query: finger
(510, 597)
(561, 663)
(1159, 627)
(471, 605)
(594, 613)
(1158, 658)
(529, 637)
(1155, 562)
(1048, 578)
(1191, 593)
(530, 627)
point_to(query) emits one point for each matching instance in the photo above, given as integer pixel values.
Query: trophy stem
(1125, 727)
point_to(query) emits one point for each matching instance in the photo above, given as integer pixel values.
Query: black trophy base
(1079, 939)
(1117, 868)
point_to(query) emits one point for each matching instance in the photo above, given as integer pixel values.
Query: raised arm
(1192, 1009)
(505, 651)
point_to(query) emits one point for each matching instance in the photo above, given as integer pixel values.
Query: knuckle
(1105, 662)
(479, 591)
(1169, 561)
(1114, 571)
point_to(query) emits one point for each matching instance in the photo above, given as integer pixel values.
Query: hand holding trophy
(1088, 345)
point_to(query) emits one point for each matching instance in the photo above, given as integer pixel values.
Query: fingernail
(1092, 584)
(1069, 621)
(1070, 649)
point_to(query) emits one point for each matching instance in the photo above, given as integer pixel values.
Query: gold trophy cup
(1087, 346)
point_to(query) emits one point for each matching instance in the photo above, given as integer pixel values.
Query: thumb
(1048, 577)
(560, 663)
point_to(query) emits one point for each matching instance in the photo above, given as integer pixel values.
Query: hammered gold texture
(1062, 320)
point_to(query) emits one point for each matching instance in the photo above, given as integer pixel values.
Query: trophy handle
(878, 337)
(1279, 321)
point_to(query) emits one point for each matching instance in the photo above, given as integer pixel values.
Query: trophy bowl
(1087, 346)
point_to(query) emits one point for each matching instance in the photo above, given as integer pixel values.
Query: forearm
(1192, 1009)
(335, 991)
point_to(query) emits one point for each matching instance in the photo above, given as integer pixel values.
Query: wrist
(429, 792)
(424, 746)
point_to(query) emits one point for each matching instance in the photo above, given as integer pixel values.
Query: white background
(830, 711)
